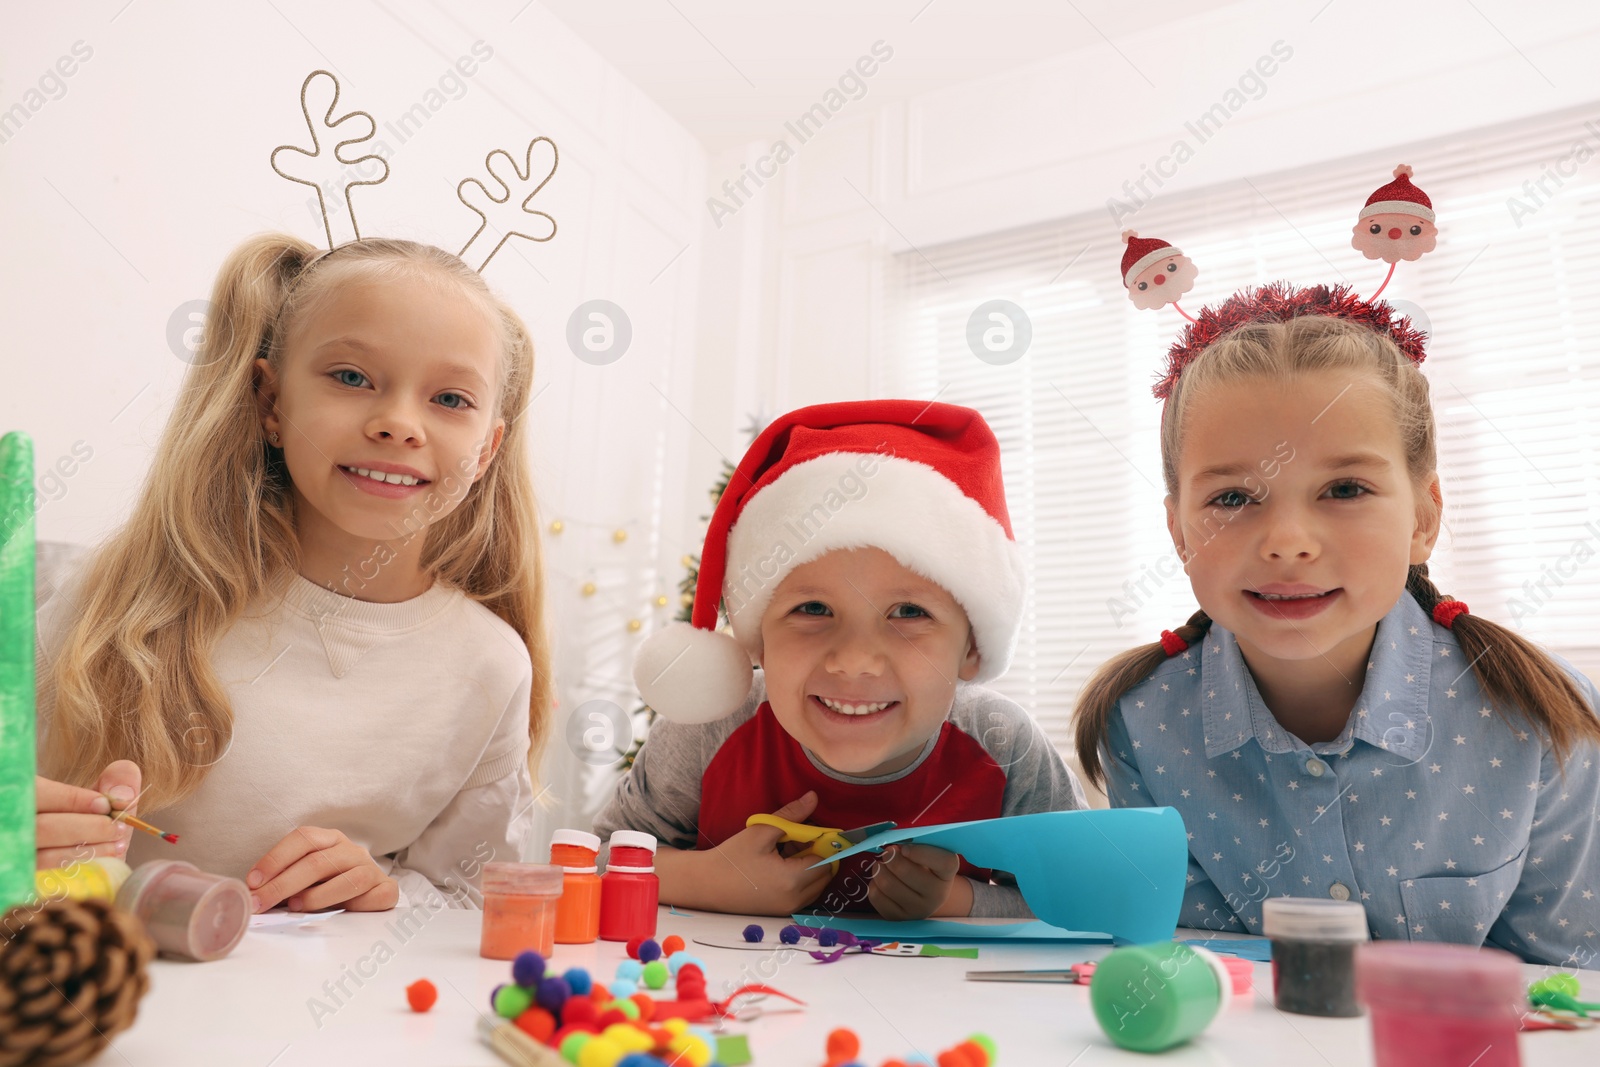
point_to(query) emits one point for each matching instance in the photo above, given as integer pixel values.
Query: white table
(256, 1008)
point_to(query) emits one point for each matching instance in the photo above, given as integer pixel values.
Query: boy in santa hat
(865, 559)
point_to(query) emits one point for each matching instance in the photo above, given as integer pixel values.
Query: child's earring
(273, 437)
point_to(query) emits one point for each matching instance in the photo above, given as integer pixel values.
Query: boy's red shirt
(760, 768)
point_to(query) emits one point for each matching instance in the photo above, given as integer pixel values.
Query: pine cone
(71, 975)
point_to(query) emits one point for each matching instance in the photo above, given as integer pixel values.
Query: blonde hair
(133, 678)
(1514, 673)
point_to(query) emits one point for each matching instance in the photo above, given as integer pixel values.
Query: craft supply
(96, 879)
(1255, 949)
(754, 933)
(527, 968)
(1559, 993)
(968, 930)
(516, 1047)
(733, 1050)
(1313, 953)
(1133, 901)
(519, 909)
(843, 1049)
(1067, 976)
(629, 890)
(673, 943)
(1434, 1004)
(421, 995)
(140, 824)
(1150, 998)
(17, 601)
(649, 950)
(578, 910)
(71, 976)
(655, 974)
(843, 1044)
(190, 913)
(822, 841)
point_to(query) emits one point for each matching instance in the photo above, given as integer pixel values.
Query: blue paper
(1255, 949)
(1119, 871)
(947, 929)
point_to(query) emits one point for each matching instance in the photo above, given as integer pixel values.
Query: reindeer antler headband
(328, 171)
(1396, 223)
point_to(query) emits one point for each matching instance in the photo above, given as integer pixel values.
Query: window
(1514, 365)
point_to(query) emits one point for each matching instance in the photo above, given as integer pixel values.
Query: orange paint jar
(578, 912)
(519, 909)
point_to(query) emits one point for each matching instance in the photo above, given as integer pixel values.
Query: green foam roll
(17, 756)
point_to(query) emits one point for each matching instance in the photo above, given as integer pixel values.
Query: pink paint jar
(1434, 1004)
(519, 909)
(190, 913)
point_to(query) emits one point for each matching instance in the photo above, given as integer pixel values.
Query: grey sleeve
(1037, 779)
(992, 900)
(660, 793)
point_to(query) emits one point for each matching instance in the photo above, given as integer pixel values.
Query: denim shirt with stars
(1447, 820)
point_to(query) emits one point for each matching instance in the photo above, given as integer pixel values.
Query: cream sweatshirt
(403, 725)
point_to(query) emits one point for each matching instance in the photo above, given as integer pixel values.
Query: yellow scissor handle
(825, 841)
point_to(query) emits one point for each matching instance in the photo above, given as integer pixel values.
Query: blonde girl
(316, 650)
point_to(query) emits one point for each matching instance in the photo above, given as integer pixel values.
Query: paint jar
(578, 912)
(1434, 1004)
(96, 879)
(519, 909)
(1150, 998)
(1313, 953)
(190, 913)
(629, 890)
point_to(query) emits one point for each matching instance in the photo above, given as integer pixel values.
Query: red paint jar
(1435, 1004)
(629, 890)
(578, 910)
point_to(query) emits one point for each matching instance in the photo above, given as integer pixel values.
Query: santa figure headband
(327, 169)
(1396, 223)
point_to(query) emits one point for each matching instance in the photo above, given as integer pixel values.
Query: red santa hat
(1399, 197)
(918, 480)
(1141, 253)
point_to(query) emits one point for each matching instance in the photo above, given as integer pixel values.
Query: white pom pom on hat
(692, 675)
(918, 480)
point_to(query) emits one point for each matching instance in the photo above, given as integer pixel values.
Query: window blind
(1509, 297)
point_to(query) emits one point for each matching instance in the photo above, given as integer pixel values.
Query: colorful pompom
(578, 981)
(527, 968)
(421, 995)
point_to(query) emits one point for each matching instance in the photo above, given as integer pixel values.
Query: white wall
(797, 316)
(120, 198)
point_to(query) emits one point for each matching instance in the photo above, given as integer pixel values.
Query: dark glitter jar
(1313, 953)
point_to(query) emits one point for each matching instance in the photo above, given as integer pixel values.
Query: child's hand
(74, 824)
(748, 874)
(916, 881)
(313, 868)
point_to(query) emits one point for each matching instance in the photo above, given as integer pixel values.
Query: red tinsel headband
(1280, 302)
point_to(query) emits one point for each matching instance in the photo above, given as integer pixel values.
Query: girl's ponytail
(1115, 678)
(1514, 673)
(213, 525)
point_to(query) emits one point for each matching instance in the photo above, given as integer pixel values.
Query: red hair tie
(1172, 644)
(1445, 612)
